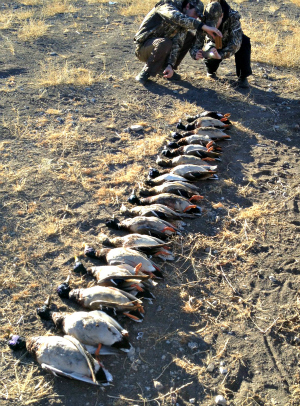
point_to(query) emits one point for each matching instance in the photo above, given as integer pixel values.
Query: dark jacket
(166, 20)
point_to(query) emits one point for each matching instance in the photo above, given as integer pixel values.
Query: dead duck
(145, 225)
(183, 189)
(184, 160)
(64, 356)
(193, 172)
(212, 133)
(205, 122)
(146, 243)
(196, 150)
(123, 278)
(158, 210)
(93, 329)
(213, 114)
(98, 297)
(195, 139)
(176, 203)
(166, 177)
(118, 256)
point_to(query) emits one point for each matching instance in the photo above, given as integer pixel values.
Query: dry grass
(32, 29)
(54, 7)
(52, 74)
(281, 49)
(136, 8)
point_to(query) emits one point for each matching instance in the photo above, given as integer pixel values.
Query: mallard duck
(204, 122)
(176, 203)
(118, 256)
(196, 150)
(64, 356)
(195, 139)
(212, 133)
(146, 243)
(213, 114)
(98, 297)
(125, 278)
(158, 210)
(183, 189)
(194, 172)
(166, 177)
(184, 160)
(145, 225)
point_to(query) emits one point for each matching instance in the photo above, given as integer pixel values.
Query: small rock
(210, 368)
(53, 54)
(272, 278)
(159, 309)
(270, 90)
(223, 370)
(193, 400)
(158, 385)
(136, 127)
(192, 345)
(220, 400)
(265, 76)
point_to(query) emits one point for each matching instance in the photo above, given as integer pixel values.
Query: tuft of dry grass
(54, 7)
(52, 74)
(32, 29)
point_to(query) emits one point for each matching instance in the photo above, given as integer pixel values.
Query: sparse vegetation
(68, 162)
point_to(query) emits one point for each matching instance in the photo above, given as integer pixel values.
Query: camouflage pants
(155, 52)
(242, 60)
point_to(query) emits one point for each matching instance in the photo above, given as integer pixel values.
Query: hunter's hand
(199, 55)
(168, 72)
(212, 54)
(212, 31)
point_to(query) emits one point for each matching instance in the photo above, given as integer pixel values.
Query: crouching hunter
(163, 38)
(234, 42)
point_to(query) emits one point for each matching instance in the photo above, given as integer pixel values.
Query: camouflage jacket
(166, 20)
(232, 37)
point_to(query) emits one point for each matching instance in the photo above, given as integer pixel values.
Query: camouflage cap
(213, 11)
(198, 5)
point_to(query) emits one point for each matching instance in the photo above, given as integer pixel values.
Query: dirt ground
(231, 298)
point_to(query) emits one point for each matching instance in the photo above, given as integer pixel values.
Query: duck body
(195, 139)
(184, 189)
(147, 225)
(214, 134)
(65, 356)
(183, 160)
(213, 114)
(123, 277)
(166, 177)
(136, 240)
(204, 122)
(97, 297)
(194, 172)
(93, 328)
(196, 150)
(119, 256)
(176, 203)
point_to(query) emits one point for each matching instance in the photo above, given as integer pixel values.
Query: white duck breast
(166, 177)
(61, 356)
(96, 296)
(170, 187)
(138, 240)
(212, 133)
(209, 122)
(93, 328)
(106, 274)
(191, 149)
(183, 170)
(182, 160)
(133, 258)
(195, 139)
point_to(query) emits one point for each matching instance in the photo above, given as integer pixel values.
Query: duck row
(129, 272)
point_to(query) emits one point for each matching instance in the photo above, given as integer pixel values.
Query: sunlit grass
(32, 30)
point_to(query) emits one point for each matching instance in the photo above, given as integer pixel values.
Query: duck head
(133, 199)
(153, 173)
(64, 289)
(180, 126)
(176, 136)
(17, 343)
(173, 145)
(167, 153)
(145, 192)
(114, 223)
(44, 312)
(79, 267)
